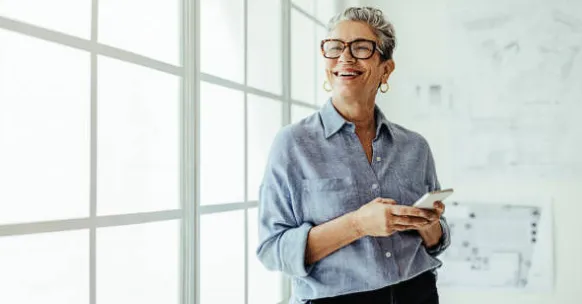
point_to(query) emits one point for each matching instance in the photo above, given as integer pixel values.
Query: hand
(439, 208)
(382, 217)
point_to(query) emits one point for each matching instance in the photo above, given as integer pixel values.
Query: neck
(360, 112)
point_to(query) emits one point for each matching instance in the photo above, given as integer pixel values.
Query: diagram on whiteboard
(498, 246)
(516, 97)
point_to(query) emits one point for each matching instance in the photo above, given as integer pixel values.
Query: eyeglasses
(359, 48)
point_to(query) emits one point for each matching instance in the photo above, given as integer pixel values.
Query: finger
(402, 227)
(413, 211)
(433, 215)
(442, 207)
(430, 215)
(439, 207)
(409, 221)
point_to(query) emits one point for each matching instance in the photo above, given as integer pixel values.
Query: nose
(346, 56)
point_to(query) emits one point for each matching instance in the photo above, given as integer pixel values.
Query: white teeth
(347, 74)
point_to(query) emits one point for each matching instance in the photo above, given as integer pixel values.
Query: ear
(389, 67)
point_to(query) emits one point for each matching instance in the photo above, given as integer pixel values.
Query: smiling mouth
(347, 75)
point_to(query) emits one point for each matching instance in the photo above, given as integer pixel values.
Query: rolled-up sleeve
(282, 236)
(433, 185)
(282, 242)
(444, 241)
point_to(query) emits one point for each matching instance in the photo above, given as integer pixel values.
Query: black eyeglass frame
(348, 45)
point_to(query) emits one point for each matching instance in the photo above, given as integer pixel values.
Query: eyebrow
(359, 38)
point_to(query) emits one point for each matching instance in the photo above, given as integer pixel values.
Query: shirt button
(378, 158)
(375, 186)
(388, 254)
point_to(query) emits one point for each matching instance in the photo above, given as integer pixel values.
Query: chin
(347, 92)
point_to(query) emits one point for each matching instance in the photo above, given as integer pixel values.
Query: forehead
(351, 30)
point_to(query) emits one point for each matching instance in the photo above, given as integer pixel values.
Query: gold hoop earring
(325, 86)
(386, 89)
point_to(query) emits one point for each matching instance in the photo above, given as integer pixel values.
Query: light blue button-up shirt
(317, 171)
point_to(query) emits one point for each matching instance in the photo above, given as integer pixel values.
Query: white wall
(349, 3)
(505, 126)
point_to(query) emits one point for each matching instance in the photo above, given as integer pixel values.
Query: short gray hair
(374, 17)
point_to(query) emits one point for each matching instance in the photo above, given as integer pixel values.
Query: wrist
(355, 224)
(430, 242)
(432, 234)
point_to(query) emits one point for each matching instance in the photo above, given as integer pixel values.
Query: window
(241, 109)
(260, 70)
(308, 28)
(133, 139)
(90, 158)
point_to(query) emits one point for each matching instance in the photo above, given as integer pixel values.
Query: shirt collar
(333, 121)
(382, 121)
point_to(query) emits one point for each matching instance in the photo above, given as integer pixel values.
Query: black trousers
(418, 290)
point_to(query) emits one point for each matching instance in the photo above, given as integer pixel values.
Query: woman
(335, 200)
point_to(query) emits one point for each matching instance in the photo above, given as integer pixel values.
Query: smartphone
(428, 199)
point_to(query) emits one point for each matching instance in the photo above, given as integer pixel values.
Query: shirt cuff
(444, 241)
(293, 246)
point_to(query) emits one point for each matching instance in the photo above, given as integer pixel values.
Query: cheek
(329, 65)
(374, 76)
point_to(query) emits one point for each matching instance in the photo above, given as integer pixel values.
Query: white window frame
(191, 76)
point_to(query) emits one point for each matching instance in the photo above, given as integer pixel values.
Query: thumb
(388, 201)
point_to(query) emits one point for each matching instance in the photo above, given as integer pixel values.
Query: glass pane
(325, 10)
(138, 139)
(300, 112)
(265, 287)
(222, 258)
(303, 52)
(264, 49)
(139, 263)
(74, 20)
(306, 5)
(44, 130)
(222, 153)
(322, 95)
(45, 268)
(149, 28)
(222, 38)
(264, 120)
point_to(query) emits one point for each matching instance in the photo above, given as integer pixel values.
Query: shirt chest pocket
(328, 198)
(411, 191)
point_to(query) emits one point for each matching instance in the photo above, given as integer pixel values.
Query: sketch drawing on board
(498, 246)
